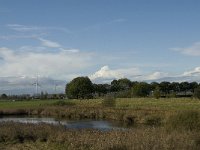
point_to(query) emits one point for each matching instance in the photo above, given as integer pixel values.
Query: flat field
(126, 103)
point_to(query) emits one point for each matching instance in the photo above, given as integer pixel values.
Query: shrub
(129, 120)
(64, 103)
(152, 121)
(124, 94)
(156, 93)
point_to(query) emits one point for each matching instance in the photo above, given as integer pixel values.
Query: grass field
(130, 103)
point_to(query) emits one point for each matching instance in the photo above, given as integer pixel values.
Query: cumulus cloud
(105, 73)
(193, 50)
(58, 64)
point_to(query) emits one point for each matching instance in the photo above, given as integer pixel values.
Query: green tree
(80, 87)
(165, 87)
(4, 96)
(184, 86)
(120, 85)
(141, 89)
(154, 85)
(174, 87)
(193, 85)
(115, 86)
(101, 89)
(124, 84)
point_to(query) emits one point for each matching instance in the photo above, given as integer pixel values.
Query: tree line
(83, 88)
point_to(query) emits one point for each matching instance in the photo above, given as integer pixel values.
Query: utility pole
(36, 85)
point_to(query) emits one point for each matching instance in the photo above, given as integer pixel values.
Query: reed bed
(43, 136)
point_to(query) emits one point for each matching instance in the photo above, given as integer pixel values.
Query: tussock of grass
(153, 120)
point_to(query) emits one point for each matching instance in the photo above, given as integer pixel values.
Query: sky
(103, 39)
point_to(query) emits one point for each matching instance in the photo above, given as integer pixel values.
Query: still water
(75, 124)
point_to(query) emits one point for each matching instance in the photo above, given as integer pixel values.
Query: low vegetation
(172, 123)
(184, 120)
(42, 136)
(109, 101)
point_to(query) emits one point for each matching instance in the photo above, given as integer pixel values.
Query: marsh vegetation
(157, 124)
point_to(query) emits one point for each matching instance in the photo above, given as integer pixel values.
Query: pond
(71, 124)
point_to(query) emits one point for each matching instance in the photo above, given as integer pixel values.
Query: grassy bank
(130, 111)
(21, 136)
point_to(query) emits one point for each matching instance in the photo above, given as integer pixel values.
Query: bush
(187, 120)
(152, 121)
(64, 103)
(156, 93)
(197, 93)
(109, 101)
(124, 94)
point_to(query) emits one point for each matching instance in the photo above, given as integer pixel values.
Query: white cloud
(18, 27)
(155, 76)
(70, 50)
(105, 73)
(194, 72)
(8, 37)
(28, 48)
(193, 50)
(25, 28)
(49, 43)
(60, 64)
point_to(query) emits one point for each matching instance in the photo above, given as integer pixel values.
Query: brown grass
(42, 136)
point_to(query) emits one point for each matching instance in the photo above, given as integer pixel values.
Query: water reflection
(76, 124)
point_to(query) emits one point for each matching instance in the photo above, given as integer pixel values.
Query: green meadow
(126, 103)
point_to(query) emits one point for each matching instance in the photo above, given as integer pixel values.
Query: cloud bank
(45, 63)
(106, 75)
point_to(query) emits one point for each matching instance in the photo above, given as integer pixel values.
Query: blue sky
(102, 39)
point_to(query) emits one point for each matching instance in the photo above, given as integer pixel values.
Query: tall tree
(141, 89)
(184, 86)
(101, 89)
(80, 87)
(124, 84)
(175, 87)
(193, 85)
(165, 87)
